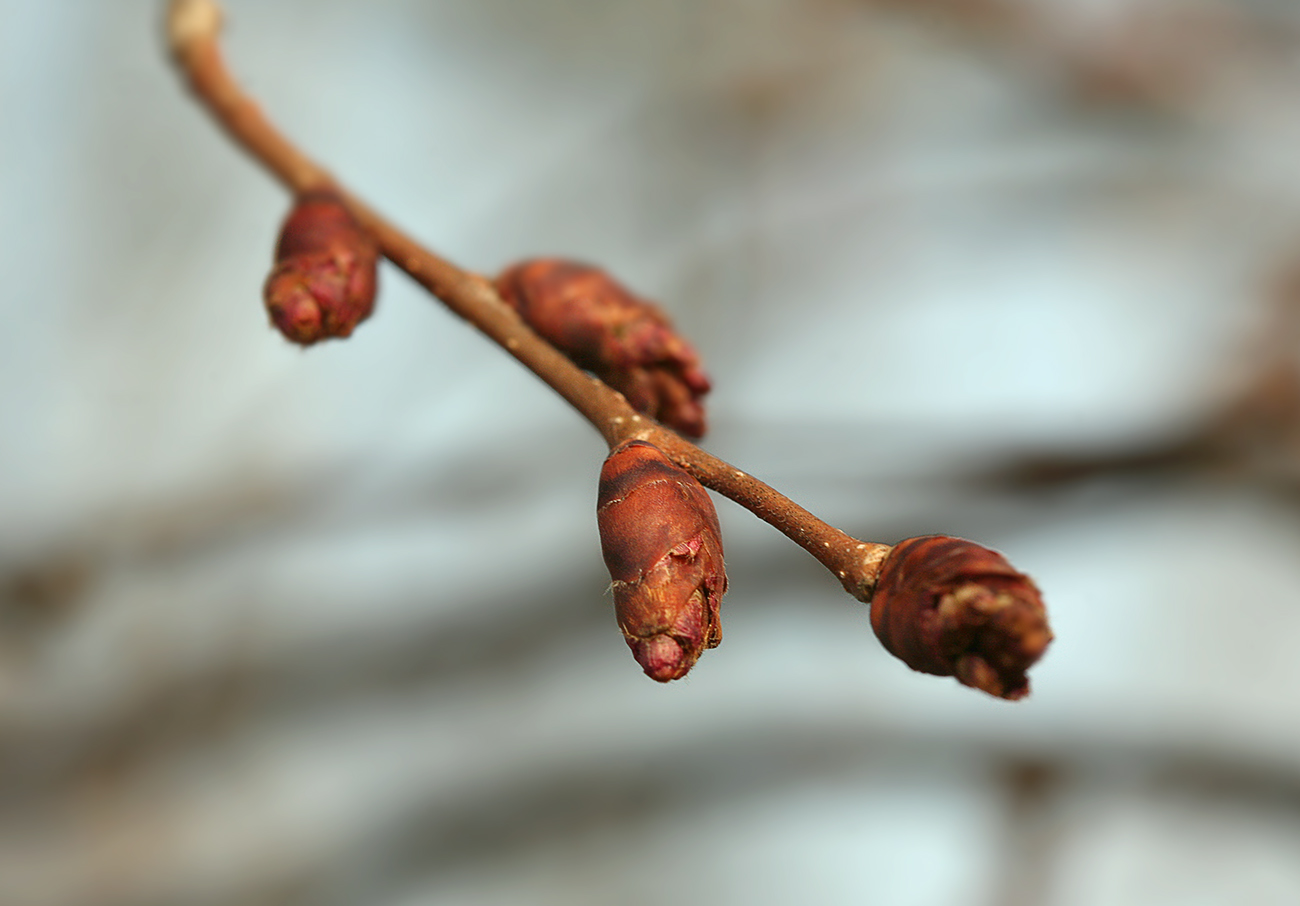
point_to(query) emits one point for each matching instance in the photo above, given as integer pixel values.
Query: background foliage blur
(327, 627)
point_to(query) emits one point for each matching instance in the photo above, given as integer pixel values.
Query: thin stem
(193, 30)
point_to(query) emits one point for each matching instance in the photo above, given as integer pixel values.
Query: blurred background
(329, 626)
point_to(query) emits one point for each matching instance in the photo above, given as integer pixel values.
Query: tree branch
(193, 28)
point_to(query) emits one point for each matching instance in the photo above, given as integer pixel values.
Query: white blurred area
(328, 626)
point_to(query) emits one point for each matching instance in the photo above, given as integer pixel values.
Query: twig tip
(191, 21)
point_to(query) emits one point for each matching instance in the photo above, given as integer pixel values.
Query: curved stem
(193, 30)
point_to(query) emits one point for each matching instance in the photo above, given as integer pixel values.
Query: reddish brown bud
(625, 341)
(323, 282)
(663, 547)
(952, 608)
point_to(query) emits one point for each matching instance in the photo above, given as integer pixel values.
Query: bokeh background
(329, 626)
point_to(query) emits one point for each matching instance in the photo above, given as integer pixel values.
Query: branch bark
(193, 30)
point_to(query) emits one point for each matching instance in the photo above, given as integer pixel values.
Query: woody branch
(193, 30)
(947, 606)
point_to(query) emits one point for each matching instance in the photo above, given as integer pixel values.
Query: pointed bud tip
(293, 311)
(661, 657)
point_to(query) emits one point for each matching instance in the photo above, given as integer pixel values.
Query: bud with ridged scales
(662, 544)
(324, 280)
(627, 342)
(951, 607)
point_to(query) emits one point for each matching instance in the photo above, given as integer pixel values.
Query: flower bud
(953, 608)
(662, 544)
(323, 282)
(627, 342)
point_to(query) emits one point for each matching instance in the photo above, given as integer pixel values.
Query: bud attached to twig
(662, 544)
(323, 283)
(627, 342)
(953, 608)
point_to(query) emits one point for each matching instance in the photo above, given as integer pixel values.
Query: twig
(193, 27)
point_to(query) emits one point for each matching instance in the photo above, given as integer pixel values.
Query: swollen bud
(662, 544)
(323, 283)
(953, 608)
(625, 341)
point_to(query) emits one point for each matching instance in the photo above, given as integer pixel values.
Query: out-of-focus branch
(1254, 433)
(1158, 53)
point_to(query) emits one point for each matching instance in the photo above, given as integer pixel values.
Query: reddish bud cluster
(627, 342)
(323, 283)
(952, 608)
(663, 547)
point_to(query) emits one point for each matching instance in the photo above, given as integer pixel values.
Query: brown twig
(193, 27)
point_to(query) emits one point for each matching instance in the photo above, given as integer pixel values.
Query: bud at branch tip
(950, 607)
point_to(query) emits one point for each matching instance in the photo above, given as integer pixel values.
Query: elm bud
(324, 279)
(953, 608)
(662, 544)
(625, 341)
